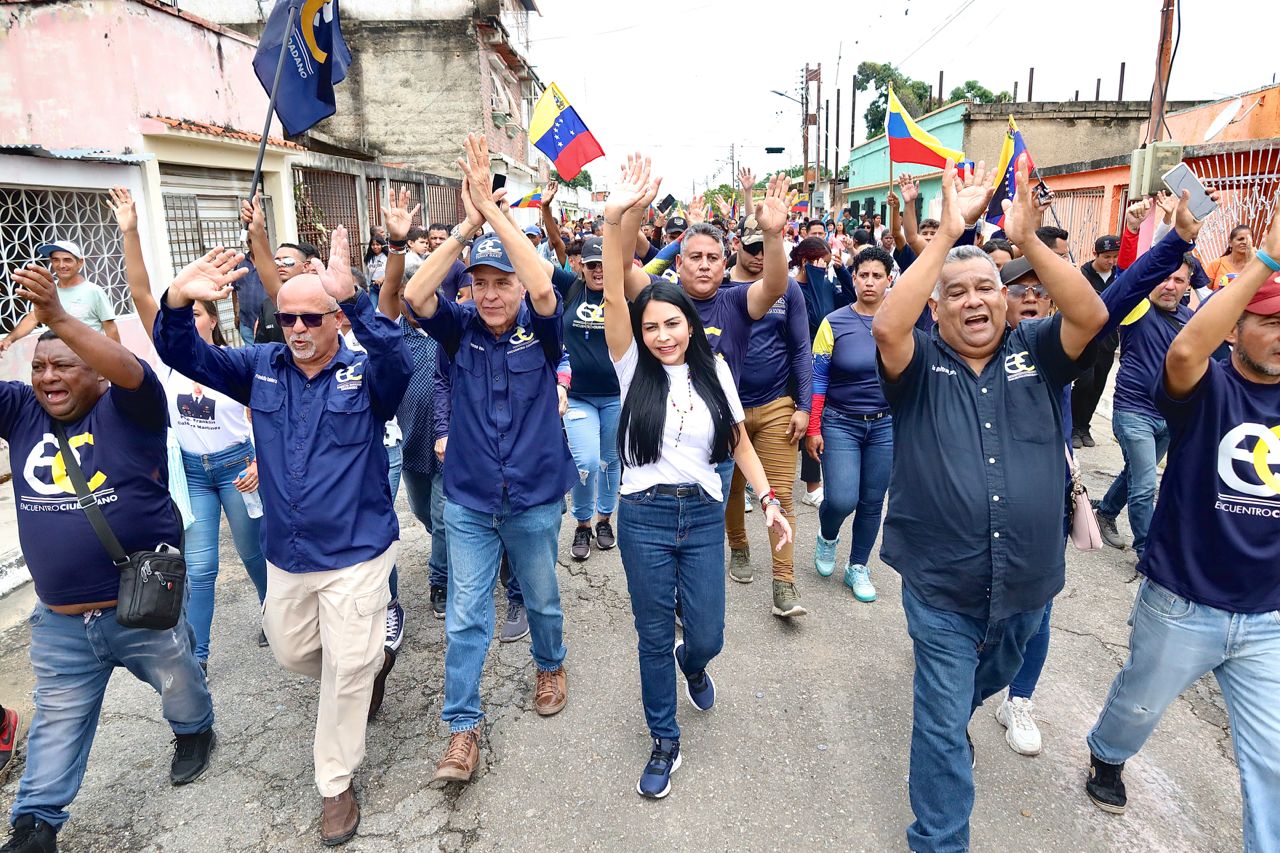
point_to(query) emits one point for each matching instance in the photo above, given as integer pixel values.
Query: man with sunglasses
(289, 260)
(329, 527)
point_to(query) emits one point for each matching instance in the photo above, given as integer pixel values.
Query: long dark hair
(644, 411)
(369, 253)
(219, 340)
(1232, 236)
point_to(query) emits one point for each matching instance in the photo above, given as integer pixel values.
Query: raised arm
(135, 269)
(420, 291)
(121, 367)
(746, 183)
(910, 192)
(623, 213)
(895, 221)
(24, 327)
(771, 216)
(1188, 357)
(550, 225)
(399, 219)
(264, 261)
(1083, 314)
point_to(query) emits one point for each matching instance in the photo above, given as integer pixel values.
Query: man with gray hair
(979, 442)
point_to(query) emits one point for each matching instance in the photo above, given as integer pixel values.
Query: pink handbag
(1085, 534)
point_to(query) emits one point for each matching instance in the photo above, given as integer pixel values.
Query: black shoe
(263, 642)
(973, 753)
(439, 598)
(380, 681)
(31, 836)
(204, 667)
(1104, 785)
(1077, 440)
(604, 536)
(581, 544)
(1087, 438)
(191, 756)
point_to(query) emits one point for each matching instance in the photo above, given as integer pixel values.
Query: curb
(13, 571)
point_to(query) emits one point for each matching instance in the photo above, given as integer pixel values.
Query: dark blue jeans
(1144, 440)
(672, 544)
(1024, 683)
(857, 456)
(960, 661)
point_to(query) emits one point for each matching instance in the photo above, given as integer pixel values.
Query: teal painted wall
(869, 162)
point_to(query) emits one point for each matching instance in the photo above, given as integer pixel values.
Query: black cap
(676, 225)
(592, 250)
(1106, 243)
(1014, 270)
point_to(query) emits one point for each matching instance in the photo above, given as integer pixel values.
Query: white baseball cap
(60, 246)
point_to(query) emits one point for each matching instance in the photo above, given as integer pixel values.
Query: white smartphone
(1180, 178)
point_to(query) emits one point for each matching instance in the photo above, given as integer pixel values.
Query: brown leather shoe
(460, 757)
(380, 681)
(549, 695)
(339, 817)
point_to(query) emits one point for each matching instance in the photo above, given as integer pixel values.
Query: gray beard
(1260, 369)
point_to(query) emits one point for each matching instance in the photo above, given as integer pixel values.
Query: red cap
(1267, 300)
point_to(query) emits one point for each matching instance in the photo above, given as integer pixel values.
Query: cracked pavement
(806, 747)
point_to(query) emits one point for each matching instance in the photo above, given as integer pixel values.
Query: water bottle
(252, 502)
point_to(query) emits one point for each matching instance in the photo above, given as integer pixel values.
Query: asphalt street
(806, 748)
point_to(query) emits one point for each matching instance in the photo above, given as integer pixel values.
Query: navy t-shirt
(121, 447)
(593, 372)
(727, 320)
(1145, 336)
(1215, 535)
(778, 359)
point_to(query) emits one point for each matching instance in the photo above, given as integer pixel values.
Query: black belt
(684, 491)
(874, 416)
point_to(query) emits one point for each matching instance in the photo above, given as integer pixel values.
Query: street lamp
(788, 97)
(804, 134)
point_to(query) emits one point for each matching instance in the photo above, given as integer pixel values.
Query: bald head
(312, 347)
(304, 293)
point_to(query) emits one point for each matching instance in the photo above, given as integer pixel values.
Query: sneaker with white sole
(740, 565)
(813, 498)
(1110, 533)
(1021, 732)
(395, 625)
(858, 579)
(655, 781)
(824, 556)
(786, 600)
(699, 687)
(516, 625)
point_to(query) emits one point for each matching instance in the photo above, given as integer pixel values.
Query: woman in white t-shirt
(680, 417)
(218, 457)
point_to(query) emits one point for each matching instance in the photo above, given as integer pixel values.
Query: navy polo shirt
(505, 420)
(1145, 337)
(1215, 535)
(322, 466)
(974, 523)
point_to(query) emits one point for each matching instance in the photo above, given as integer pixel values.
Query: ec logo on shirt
(47, 455)
(592, 315)
(1259, 448)
(520, 336)
(349, 378)
(1016, 366)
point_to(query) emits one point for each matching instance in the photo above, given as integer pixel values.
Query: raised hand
(549, 192)
(252, 215)
(746, 180)
(1022, 215)
(697, 210)
(974, 194)
(1271, 242)
(336, 277)
(122, 205)
(636, 189)
(893, 202)
(1168, 204)
(475, 166)
(950, 220)
(1187, 226)
(398, 217)
(722, 205)
(37, 285)
(909, 188)
(773, 209)
(211, 276)
(474, 219)
(1136, 213)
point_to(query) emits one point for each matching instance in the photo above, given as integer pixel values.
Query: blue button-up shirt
(322, 466)
(505, 422)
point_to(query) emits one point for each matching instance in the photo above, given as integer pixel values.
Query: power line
(957, 13)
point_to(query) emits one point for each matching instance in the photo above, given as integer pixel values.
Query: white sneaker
(813, 498)
(747, 503)
(1021, 731)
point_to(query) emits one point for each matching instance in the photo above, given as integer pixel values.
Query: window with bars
(1081, 213)
(443, 204)
(324, 200)
(29, 218)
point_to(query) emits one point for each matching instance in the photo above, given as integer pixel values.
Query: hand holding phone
(666, 204)
(499, 181)
(1180, 178)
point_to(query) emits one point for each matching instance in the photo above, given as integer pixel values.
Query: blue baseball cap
(488, 251)
(533, 231)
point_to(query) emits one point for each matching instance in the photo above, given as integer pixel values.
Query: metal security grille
(323, 201)
(415, 197)
(1080, 213)
(373, 199)
(1249, 181)
(32, 217)
(444, 204)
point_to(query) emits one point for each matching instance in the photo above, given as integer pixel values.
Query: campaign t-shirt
(121, 448)
(777, 362)
(727, 321)
(593, 372)
(1215, 535)
(88, 303)
(1145, 336)
(844, 364)
(204, 420)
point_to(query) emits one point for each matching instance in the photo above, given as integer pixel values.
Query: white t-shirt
(88, 303)
(391, 432)
(689, 461)
(204, 420)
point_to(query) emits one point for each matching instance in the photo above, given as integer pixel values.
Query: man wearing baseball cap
(674, 229)
(1099, 272)
(83, 299)
(1212, 562)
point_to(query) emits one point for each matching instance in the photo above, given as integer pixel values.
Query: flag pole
(271, 108)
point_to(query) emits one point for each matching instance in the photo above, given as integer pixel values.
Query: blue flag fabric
(1013, 148)
(316, 60)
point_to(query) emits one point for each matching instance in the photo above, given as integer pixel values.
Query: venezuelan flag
(801, 205)
(910, 143)
(558, 132)
(533, 199)
(1013, 148)
(664, 259)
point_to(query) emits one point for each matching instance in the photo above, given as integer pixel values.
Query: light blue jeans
(73, 658)
(395, 465)
(591, 424)
(211, 484)
(1175, 641)
(857, 457)
(1143, 441)
(476, 541)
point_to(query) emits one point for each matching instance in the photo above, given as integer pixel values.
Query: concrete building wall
(869, 162)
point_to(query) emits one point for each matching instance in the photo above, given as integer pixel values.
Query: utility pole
(836, 161)
(817, 129)
(1163, 61)
(804, 123)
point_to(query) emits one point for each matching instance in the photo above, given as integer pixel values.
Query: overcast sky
(692, 77)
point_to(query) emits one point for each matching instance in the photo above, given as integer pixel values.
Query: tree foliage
(974, 91)
(914, 94)
(580, 181)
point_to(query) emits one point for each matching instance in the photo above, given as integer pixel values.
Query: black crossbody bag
(152, 583)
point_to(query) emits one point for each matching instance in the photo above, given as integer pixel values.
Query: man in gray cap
(83, 299)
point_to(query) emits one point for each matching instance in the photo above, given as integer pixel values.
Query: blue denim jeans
(591, 425)
(672, 545)
(395, 463)
(211, 484)
(725, 472)
(1173, 643)
(73, 658)
(960, 661)
(1024, 683)
(856, 458)
(476, 542)
(1143, 441)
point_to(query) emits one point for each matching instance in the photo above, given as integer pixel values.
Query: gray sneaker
(786, 600)
(740, 565)
(516, 625)
(1110, 533)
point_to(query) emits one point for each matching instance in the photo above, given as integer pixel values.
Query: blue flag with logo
(316, 59)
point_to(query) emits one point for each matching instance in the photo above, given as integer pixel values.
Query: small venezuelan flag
(910, 143)
(1013, 148)
(533, 199)
(558, 132)
(801, 206)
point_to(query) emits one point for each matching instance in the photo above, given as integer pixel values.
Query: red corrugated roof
(224, 132)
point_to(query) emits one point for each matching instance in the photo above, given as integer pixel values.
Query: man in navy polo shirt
(329, 530)
(112, 409)
(1211, 597)
(978, 445)
(1145, 336)
(504, 482)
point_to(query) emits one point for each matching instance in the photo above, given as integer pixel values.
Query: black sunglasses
(311, 321)
(753, 249)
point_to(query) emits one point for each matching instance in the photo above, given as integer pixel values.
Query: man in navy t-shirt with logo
(1211, 598)
(112, 408)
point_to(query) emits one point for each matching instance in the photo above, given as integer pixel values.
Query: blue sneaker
(655, 781)
(699, 687)
(824, 556)
(858, 579)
